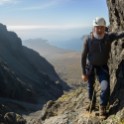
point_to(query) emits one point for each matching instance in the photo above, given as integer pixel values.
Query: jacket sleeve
(84, 55)
(116, 35)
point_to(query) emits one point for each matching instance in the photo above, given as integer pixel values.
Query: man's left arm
(116, 35)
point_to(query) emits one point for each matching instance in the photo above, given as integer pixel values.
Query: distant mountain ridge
(43, 47)
(48, 50)
(74, 44)
(69, 45)
(24, 74)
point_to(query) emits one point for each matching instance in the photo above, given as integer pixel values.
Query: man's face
(99, 30)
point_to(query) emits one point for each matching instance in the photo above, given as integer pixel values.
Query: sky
(51, 19)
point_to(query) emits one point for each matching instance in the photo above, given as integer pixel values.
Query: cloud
(42, 6)
(47, 4)
(3, 2)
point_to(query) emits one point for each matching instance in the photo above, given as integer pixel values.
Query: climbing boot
(102, 112)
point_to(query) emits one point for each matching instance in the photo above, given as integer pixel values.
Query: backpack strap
(90, 40)
(106, 38)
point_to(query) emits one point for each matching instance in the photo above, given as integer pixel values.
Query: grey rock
(13, 118)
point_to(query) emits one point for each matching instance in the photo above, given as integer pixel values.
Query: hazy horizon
(61, 38)
(51, 34)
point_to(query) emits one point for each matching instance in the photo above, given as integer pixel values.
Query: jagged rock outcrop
(116, 14)
(8, 117)
(24, 74)
(69, 108)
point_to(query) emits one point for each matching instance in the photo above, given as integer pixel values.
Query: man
(94, 61)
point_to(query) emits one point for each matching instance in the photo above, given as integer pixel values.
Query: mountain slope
(25, 75)
(66, 62)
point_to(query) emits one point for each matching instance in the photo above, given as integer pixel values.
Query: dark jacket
(97, 51)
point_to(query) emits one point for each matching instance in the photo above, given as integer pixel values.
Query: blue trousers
(102, 72)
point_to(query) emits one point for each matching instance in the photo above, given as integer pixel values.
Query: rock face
(24, 74)
(69, 108)
(116, 62)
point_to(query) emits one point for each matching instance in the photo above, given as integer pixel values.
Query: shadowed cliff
(24, 74)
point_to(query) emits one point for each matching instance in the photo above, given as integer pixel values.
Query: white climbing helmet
(99, 21)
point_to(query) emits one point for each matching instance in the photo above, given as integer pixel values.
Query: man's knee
(104, 85)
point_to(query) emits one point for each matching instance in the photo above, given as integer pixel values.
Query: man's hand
(84, 78)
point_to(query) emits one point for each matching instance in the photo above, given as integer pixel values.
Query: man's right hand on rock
(84, 78)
